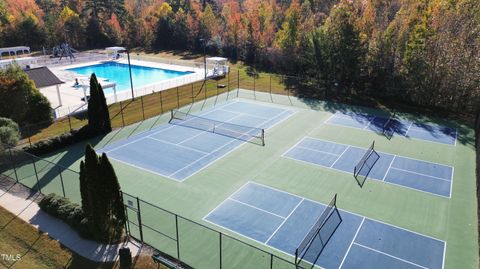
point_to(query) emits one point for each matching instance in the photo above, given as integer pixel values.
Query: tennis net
(316, 231)
(388, 129)
(366, 163)
(241, 132)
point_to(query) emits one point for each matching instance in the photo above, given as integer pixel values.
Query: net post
(61, 181)
(139, 215)
(171, 116)
(36, 175)
(263, 137)
(178, 239)
(13, 163)
(220, 247)
(296, 257)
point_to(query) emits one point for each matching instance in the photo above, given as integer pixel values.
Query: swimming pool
(119, 73)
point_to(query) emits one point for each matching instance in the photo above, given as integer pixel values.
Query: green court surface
(450, 219)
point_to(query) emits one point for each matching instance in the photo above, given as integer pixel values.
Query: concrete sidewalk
(23, 205)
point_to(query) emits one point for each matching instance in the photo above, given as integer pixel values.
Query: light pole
(204, 41)
(129, 70)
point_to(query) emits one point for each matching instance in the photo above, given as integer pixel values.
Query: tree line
(426, 52)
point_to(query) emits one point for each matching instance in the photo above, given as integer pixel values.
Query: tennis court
(282, 220)
(190, 142)
(419, 175)
(410, 129)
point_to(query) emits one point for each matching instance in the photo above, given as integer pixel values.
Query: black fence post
(206, 89)
(271, 261)
(178, 99)
(13, 163)
(69, 122)
(121, 112)
(220, 247)
(228, 84)
(270, 83)
(61, 181)
(36, 175)
(139, 215)
(238, 82)
(193, 97)
(178, 239)
(161, 103)
(28, 134)
(143, 108)
(254, 87)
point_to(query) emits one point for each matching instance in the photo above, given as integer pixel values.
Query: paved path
(24, 206)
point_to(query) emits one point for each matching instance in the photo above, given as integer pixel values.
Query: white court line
(319, 151)
(146, 170)
(241, 113)
(403, 134)
(420, 174)
(313, 201)
(306, 199)
(339, 157)
(351, 243)
(389, 166)
(204, 131)
(228, 152)
(147, 134)
(391, 256)
(370, 122)
(176, 145)
(404, 157)
(408, 129)
(257, 208)
(278, 228)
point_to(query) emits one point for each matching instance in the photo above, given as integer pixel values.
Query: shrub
(67, 211)
(60, 141)
(9, 132)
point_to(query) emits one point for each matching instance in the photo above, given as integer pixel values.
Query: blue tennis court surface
(427, 132)
(281, 220)
(177, 152)
(411, 173)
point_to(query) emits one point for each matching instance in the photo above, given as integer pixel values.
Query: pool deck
(71, 97)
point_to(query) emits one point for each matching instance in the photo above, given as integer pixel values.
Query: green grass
(37, 250)
(453, 220)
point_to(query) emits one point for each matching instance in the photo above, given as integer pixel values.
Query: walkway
(17, 200)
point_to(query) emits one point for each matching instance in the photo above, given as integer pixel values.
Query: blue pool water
(118, 73)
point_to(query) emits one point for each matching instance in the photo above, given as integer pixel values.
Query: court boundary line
(316, 150)
(420, 174)
(405, 157)
(387, 182)
(177, 145)
(146, 135)
(257, 208)
(141, 135)
(351, 243)
(238, 146)
(285, 220)
(358, 215)
(422, 131)
(225, 145)
(352, 146)
(328, 122)
(316, 202)
(390, 255)
(389, 166)
(340, 156)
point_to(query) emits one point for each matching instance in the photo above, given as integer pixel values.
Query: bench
(158, 259)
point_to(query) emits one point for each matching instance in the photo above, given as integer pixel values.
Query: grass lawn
(38, 250)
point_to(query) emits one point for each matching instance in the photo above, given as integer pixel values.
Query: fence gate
(134, 221)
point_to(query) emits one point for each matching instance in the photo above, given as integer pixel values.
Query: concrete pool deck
(71, 97)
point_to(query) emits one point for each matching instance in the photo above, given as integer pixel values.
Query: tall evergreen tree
(101, 199)
(98, 115)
